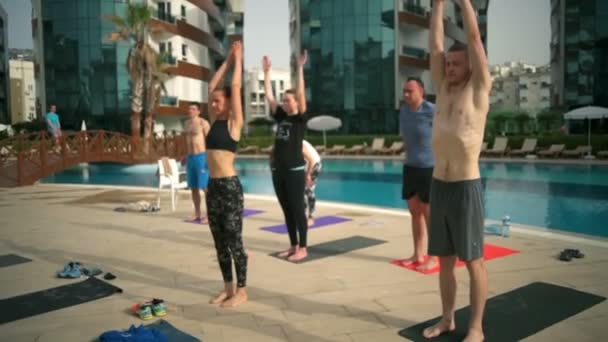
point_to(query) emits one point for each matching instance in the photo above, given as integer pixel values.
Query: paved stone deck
(358, 296)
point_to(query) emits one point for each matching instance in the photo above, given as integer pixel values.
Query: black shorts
(417, 181)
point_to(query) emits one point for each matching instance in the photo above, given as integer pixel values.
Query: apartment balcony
(414, 57)
(166, 58)
(168, 101)
(161, 29)
(166, 17)
(414, 15)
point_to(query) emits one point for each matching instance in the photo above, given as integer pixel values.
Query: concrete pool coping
(532, 230)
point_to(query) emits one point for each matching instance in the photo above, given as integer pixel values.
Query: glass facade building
(579, 52)
(361, 51)
(351, 68)
(85, 74)
(4, 77)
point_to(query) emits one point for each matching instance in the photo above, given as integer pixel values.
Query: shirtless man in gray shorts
(462, 83)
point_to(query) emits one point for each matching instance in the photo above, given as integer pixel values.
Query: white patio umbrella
(83, 126)
(324, 123)
(589, 113)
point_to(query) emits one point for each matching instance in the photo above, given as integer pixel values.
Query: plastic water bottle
(506, 225)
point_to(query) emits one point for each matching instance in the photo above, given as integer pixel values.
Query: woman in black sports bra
(287, 161)
(225, 193)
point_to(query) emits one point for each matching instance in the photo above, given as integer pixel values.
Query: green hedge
(599, 142)
(316, 139)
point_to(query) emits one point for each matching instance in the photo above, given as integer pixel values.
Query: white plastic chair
(170, 180)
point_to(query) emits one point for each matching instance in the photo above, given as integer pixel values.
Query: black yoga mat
(12, 259)
(56, 298)
(515, 315)
(337, 247)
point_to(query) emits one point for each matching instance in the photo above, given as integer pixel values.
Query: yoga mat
(322, 221)
(517, 314)
(172, 333)
(489, 252)
(52, 299)
(246, 213)
(12, 259)
(336, 247)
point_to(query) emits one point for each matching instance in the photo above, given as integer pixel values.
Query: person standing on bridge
(197, 129)
(225, 193)
(53, 123)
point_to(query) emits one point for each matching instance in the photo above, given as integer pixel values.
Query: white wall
(24, 72)
(187, 89)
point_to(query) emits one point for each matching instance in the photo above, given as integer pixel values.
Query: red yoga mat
(489, 252)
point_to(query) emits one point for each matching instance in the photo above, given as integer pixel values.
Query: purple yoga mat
(322, 221)
(246, 213)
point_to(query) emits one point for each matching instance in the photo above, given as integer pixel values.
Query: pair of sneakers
(147, 310)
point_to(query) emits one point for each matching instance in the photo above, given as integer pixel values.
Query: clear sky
(517, 30)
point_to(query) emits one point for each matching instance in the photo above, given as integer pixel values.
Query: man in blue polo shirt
(416, 123)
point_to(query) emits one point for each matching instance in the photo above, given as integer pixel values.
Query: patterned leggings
(225, 212)
(309, 192)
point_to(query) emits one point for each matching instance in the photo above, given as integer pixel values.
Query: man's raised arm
(436, 44)
(477, 54)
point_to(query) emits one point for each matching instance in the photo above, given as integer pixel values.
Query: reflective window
(85, 76)
(351, 71)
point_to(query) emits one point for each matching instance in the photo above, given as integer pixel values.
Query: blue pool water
(571, 198)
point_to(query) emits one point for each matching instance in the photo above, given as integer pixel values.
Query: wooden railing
(26, 158)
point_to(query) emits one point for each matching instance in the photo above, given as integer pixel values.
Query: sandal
(575, 253)
(565, 256)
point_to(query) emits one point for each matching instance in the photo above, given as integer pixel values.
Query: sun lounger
(553, 151)
(377, 146)
(336, 149)
(249, 150)
(395, 148)
(578, 152)
(602, 154)
(499, 148)
(267, 150)
(355, 149)
(528, 147)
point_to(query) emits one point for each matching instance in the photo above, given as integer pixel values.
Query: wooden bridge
(26, 158)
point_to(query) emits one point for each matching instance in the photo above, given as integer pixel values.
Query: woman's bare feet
(221, 297)
(439, 328)
(474, 335)
(239, 298)
(288, 252)
(227, 293)
(300, 254)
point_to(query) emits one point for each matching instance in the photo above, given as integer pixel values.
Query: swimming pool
(566, 197)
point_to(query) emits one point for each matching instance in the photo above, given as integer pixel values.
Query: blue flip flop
(70, 270)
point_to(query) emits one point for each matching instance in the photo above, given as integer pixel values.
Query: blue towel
(134, 334)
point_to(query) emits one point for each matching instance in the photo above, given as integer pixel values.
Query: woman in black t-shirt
(287, 162)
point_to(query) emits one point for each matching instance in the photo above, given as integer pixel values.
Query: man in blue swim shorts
(196, 128)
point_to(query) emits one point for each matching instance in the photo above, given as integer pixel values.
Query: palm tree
(142, 61)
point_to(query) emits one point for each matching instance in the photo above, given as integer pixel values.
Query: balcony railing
(166, 58)
(169, 101)
(414, 9)
(166, 17)
(414, 52)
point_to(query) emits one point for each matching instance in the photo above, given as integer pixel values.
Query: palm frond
(116, 20)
